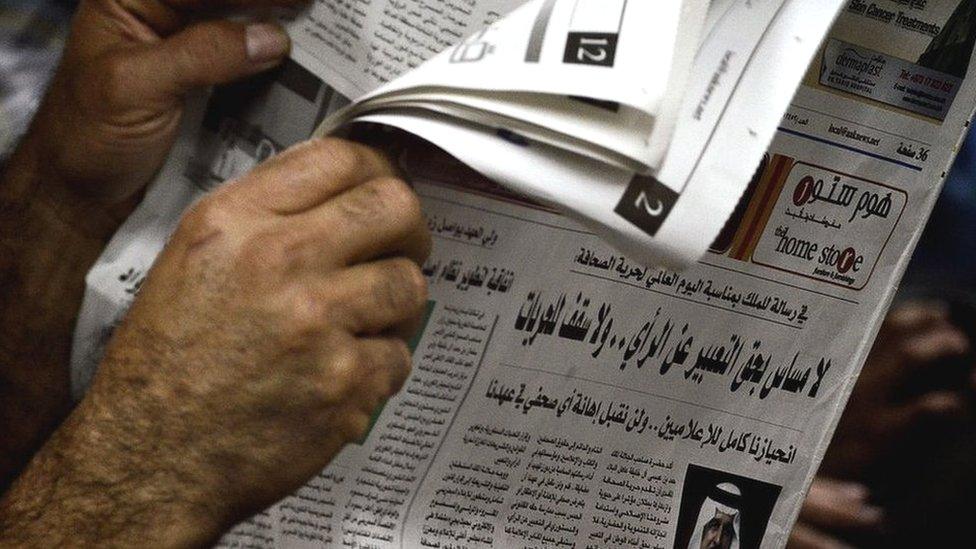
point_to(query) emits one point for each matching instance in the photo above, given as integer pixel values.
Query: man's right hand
(269, 330)
(917, 341)
(834, 510)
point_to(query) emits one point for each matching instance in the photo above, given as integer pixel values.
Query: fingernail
(266, 42)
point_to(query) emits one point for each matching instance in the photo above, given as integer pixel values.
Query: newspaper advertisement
(566, 395)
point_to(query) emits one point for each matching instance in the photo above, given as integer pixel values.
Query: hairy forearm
(71, 477)
(48, 240)
(91, 485)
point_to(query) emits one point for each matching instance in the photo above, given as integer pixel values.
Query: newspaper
(567, 395)
(621, 129)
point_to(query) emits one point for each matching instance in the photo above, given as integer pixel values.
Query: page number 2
(645, 203)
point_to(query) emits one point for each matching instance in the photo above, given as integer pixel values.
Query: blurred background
(909, 434)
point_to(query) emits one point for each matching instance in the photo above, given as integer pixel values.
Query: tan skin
(268, 331)
(718, 532)
(104, 128)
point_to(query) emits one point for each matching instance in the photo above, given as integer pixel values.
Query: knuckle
(359, 211)
(209, 46)
(342, 373)
(389, 202)
(217, 37)
(307, 317)
(206, 220)
(396, 197)
(337, 155)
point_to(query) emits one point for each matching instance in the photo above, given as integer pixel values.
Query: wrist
(151, 487)
(93, 485)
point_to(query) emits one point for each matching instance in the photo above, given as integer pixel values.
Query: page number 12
(584, 48)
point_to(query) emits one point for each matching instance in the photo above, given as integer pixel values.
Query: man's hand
(915, 373)
(114, 107)
(917, 342)
(102, 132)
(834, 511)
(262, 341)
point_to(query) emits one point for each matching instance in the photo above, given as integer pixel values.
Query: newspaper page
(584, 75)
(358, 46)
(611, 161)
(564, 395)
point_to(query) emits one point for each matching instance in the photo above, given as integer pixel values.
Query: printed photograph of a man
(720, 510)
(719, 520)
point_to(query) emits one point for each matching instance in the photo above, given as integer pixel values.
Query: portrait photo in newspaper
(722, 510)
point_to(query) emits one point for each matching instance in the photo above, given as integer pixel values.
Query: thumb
(212, 53)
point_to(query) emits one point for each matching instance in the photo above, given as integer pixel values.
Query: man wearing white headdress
(719, 520)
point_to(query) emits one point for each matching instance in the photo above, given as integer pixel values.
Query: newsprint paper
(564, 394)
(623, 130)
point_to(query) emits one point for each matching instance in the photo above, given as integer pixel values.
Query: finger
(387, 364)
(207, 54)
(916, 315)
(839, 505)
(379, 296)
(805, 537)
(162, 18)
(932, 406)
(310, 174)
(379, 218)
(931, 347)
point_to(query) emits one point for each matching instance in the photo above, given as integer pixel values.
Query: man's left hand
(114, 106)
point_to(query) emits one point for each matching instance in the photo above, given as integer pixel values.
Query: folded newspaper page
(584, 76)
(585, 101)
(564, 394)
